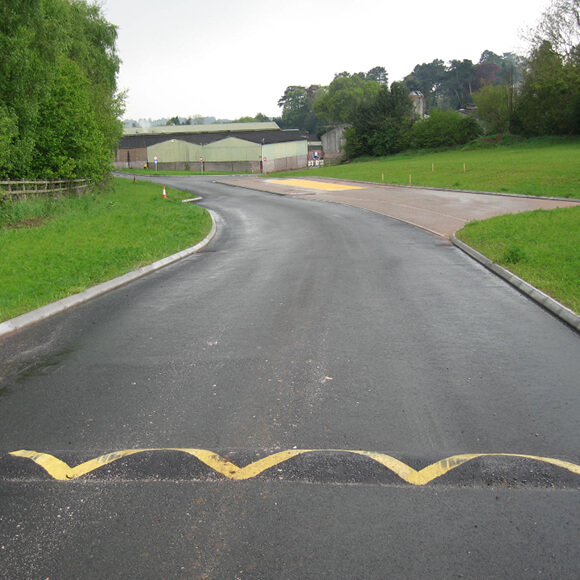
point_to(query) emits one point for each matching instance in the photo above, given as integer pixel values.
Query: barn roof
(205, 138)
(215, 128)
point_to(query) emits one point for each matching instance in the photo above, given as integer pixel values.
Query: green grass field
(541, 247)
(52, 249)
(545, 167)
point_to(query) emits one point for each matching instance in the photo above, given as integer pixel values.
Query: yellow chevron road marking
(307, 184)
(61, 471)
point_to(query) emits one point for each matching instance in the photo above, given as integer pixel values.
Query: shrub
(444, 129)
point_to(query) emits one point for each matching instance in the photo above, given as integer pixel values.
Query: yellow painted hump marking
(321, 185)
(61, 471)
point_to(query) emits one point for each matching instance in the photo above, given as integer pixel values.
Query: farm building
(253, 147)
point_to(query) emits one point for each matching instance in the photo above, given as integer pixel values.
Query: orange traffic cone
(134, 179)
(164, 193)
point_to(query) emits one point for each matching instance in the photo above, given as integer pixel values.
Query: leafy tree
(488, 73)
(549, 100)
(295, 107)
(495, 106)
(378, 74)
(338, 102)
(458, 84)
(560, 26)
(38, 38)
(381, 125)
(427, 78)
(70, 144)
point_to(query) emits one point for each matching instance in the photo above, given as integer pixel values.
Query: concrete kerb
(20, 322)
(559, 310)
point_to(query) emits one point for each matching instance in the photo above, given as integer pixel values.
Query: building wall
(130, 158)
(232, 149)
(228, 154)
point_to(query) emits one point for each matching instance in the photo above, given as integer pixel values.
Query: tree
(560, 26)
(495, 106)
(458, 84)
(295, 107)
(378, 74)
(549, 100)
(37, 40)
(70, 144)
(427, 78)
(381, 125)
(337, 103)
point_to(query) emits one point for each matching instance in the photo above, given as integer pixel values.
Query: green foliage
(89, 240)
(495, 106)
(297, 109)
(444, 129)
(549, 101)
(540, 246)
(338, 102)
(52, 49)
(451, 86)
(381, 124)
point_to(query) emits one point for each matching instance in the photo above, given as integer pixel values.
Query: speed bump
(313, 465)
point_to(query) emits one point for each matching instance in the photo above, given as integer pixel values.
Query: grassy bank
(540, 247)
(545, 167)
(52, 249)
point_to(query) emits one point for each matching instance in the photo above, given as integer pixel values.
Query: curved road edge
(13, 325)
(559, 310)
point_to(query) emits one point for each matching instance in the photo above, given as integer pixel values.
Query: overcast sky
(232, 58)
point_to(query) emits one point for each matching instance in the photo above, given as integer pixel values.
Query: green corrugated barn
(237, 147)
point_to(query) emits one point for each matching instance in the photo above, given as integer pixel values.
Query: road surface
(323, 392)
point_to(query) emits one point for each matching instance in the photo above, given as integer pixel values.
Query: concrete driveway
(439, 211)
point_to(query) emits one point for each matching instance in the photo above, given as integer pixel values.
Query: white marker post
(201, 160)
(155, 161)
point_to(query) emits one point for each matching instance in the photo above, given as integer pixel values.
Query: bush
(444, 129)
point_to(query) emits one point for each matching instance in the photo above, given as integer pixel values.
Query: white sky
(232, 58)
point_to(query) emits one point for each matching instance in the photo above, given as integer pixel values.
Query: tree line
(531, 95)
(59, 105)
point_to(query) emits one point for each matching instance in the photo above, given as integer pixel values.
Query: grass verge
(55, 248)
(544, 167)
(541, 247)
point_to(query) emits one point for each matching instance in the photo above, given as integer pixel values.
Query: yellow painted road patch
(61, 471)
(320, 185)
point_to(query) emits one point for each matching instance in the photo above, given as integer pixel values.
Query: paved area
(442, 212)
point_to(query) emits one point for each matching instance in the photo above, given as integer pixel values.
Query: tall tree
(295, 107)
(560, 26)
(338, 102)
(382, 124)
(549, 100)
(458, 84)
(427, 78)
(37, 40)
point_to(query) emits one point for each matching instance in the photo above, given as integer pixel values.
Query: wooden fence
(56, 187)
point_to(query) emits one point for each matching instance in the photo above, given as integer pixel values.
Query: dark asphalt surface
(308, 325)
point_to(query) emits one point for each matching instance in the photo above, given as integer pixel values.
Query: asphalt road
(311, 330)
